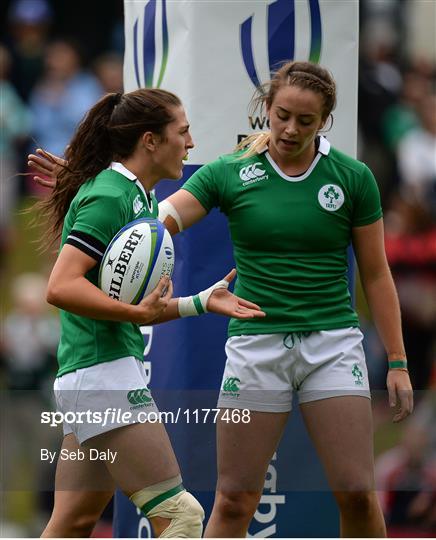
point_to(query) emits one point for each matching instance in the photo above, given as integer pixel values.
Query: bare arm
(381, 295)
(69, 289)
(186, 205)
(220, 301)
(189, 209)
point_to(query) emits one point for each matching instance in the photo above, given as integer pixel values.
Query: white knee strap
(186, 515)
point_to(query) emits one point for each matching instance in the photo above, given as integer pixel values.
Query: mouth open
(288, 143)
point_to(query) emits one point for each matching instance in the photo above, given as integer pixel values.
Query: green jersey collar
(324, 146)
(323, 149)
(119, 168)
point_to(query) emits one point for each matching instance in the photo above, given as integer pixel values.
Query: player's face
(174, 146)
(296, 116)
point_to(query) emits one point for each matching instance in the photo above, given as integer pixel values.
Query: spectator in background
(14, 127)
(29, 22)
(109, 71)
(400, 118)
(406, 478)
(31, 334)
(417, 157)
(380, 83)
(62, 97)
(411, 242)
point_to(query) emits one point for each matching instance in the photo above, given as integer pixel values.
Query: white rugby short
(262, 370)
(118, 387)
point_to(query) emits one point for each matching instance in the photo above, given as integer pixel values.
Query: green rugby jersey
(290, 234)
(102, 206)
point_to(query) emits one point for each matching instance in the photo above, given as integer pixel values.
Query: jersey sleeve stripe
(86, 243)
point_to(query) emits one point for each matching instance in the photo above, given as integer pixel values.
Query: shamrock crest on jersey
(331, 197)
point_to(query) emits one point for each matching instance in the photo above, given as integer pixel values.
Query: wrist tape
(190, 306)
(398, 364)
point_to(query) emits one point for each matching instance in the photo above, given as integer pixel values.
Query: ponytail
(109, 131)
(88, 153)
(253, 144)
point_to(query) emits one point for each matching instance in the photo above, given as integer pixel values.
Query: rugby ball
(137, 257)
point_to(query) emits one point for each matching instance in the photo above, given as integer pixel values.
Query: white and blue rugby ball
(135, 260)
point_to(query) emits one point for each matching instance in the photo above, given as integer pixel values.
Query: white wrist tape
(190, 306)
(167, 209)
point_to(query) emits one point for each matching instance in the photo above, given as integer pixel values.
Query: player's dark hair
(305, 75)
(109, 132)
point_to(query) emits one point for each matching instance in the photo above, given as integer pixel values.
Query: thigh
(81, 486)
(245, 449)
(341, 430)
(332, 364)
(141, 455)
(257, 374)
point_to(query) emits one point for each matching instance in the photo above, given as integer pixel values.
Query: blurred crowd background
(56, 60)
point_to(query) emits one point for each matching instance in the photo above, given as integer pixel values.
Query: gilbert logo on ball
(137, 257)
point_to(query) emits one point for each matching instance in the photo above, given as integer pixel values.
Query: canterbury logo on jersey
(251, 172)
(138, 205)
(139, 396)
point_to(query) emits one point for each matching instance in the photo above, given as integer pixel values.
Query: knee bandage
(170, 500)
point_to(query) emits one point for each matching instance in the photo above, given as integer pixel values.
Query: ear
(324, 123)
(150, 141)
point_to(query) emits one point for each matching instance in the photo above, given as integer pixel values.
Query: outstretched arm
(69, 289)
(177, 212)
(180, 210)
(380, 293)
(216, 299)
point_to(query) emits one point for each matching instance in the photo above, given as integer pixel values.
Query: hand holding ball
(135, 260)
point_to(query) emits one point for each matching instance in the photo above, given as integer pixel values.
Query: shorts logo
(230, 387)
(357, 374)
(252, 173)
(331, 197)
(139, 396)
(138, 205)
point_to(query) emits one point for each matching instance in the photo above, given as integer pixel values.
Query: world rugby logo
(281, 36)
(154, 38)
(251, 172)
